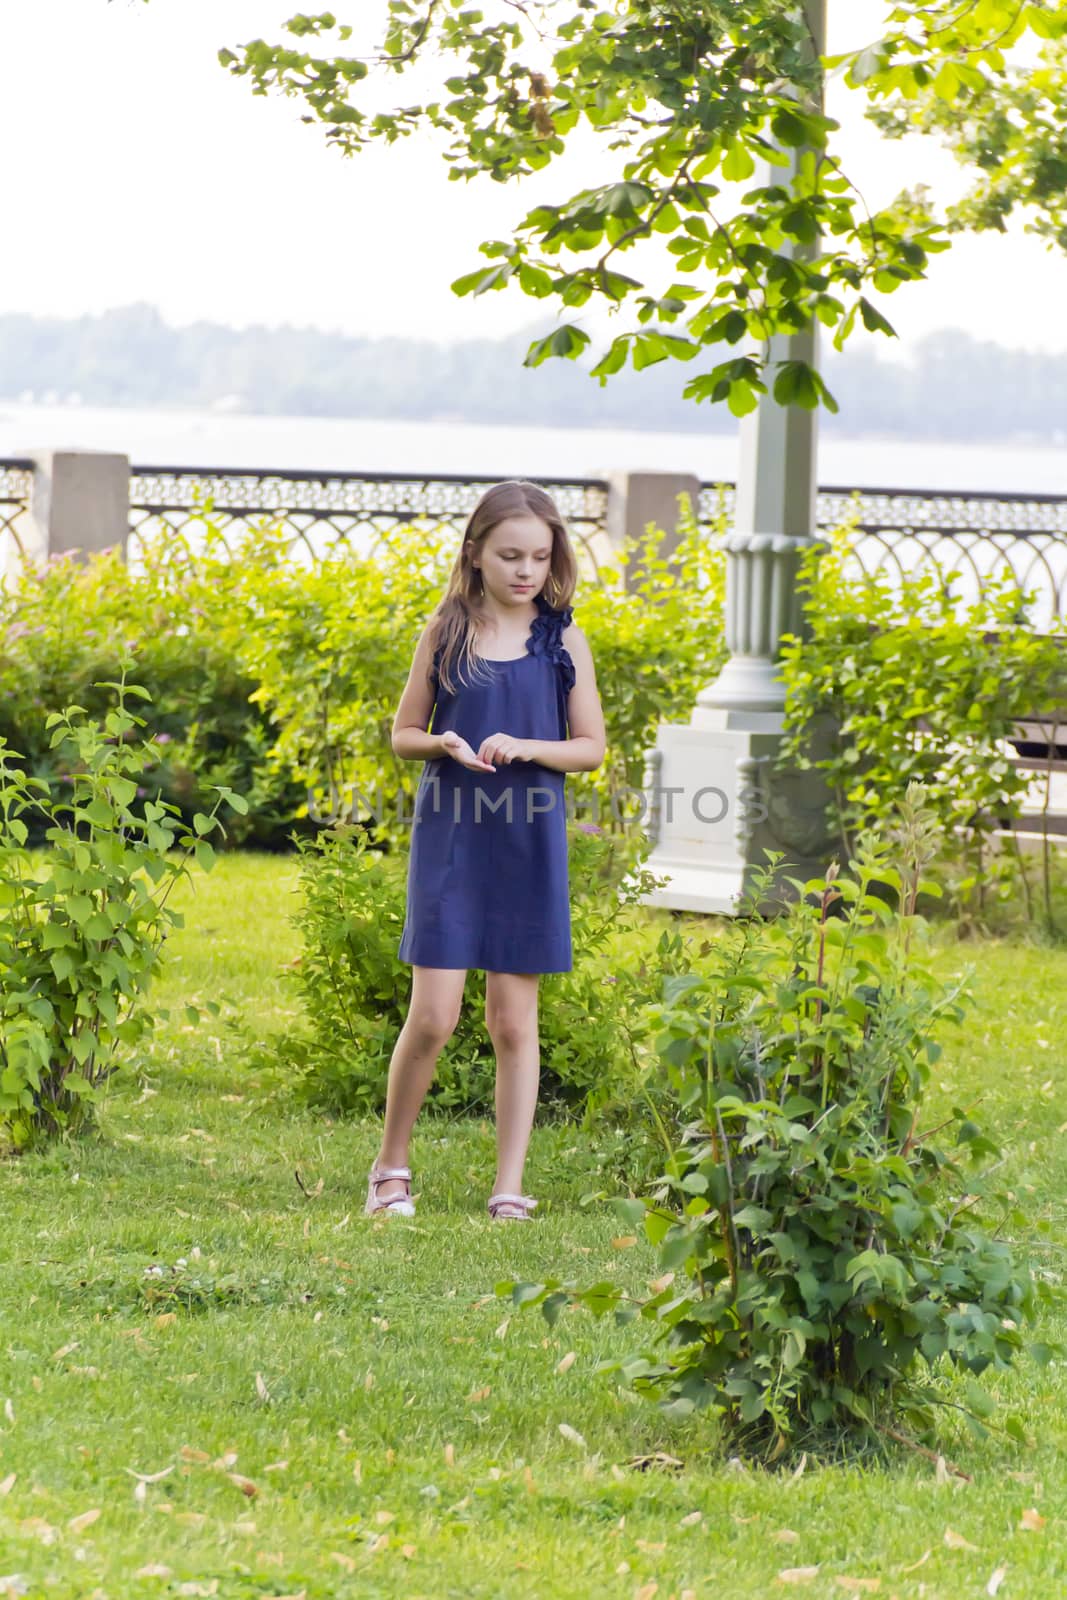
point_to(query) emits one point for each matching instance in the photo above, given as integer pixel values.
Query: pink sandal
(401, 1203)
(520, 1207)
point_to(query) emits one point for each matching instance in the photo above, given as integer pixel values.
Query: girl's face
(515, 557)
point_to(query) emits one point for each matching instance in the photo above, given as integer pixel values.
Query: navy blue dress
(488, 870)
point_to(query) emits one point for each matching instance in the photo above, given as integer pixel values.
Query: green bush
(62, 631)
(655, 626)
(281, 680)
(917, 688)
(79, 946)
(355, 992)
(815, 1242)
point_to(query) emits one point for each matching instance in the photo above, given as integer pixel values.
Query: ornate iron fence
(966, 537)
(321, 510)
(16, 483)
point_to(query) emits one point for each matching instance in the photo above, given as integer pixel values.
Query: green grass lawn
(352, 1412)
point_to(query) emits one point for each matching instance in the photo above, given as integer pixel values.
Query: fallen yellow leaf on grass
(956, 1541)
(996, 1578)
(690, 1519)
(187, 1453)
(646, 1591)
(572, 1434)
(623, 1241)
(650, 1547)
(85, 1520)
(383, 1517)
(858, 1585)
(1031, 1521)
(479, 1394)
(923, 1559)
(785, 1536)
(191, 1519)
(40, 1529)
(154, 1569)
(658, 1285)
(7, 1484)
(62, 1352)
(245, 1485)
(798, 1574)
(567, 1361)
(165, 1318)
(277, 1466)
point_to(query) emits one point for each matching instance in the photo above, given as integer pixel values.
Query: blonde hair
(455, 618)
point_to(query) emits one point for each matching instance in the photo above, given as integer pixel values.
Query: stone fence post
(637, 498)
(80, 502)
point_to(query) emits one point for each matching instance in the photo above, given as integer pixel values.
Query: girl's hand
(458, 748)
(502, 747)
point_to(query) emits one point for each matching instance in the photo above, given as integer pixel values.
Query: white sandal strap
(380, 1174)
(523, 1200)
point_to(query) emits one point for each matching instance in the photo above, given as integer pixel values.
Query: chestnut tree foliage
(695, 96)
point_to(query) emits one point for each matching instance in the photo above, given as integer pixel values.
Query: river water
(224, 439)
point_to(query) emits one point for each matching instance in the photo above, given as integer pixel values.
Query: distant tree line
(954, 387)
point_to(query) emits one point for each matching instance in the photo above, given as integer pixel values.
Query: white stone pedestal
(714, 805)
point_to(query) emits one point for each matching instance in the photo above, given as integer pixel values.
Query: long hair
(456, 616)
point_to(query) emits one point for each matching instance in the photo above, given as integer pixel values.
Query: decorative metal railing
(323, 509)
(16, 483)
(970, 534)
(974, 535)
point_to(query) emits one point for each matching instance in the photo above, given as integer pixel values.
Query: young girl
(508, 678)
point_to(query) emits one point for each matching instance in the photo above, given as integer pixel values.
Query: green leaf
(567, 342)
(874, 320)
(737, 163)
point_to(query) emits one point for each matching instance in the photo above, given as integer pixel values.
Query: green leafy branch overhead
(697, 98)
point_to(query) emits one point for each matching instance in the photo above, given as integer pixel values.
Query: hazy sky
(139, 170)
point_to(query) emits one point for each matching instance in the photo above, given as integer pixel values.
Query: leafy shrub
(355, 992)
(80, 946)
(655, 627)
(916, 687)
(280, 680)
(814, 1241)
(63, 629)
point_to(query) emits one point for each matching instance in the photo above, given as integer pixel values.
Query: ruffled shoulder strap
(545, 638)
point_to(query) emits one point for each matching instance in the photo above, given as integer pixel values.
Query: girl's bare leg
(436, 995)
(511, 1019)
